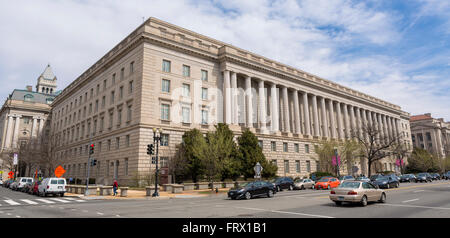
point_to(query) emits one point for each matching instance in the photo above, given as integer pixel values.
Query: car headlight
(384, 182)
(242, 190)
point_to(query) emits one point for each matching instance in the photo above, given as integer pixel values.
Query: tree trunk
(369, 168)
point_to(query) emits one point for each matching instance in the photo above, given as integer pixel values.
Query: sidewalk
(141, 194)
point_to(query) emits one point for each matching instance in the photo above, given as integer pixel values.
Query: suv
(283, 183)
(52, 186)
(21, 182)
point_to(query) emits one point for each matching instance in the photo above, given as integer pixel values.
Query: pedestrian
(115, 186)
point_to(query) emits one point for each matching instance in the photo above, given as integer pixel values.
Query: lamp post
(156, 140)
(337, 161)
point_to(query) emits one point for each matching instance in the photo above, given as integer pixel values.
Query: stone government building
(431, 134)
(165, 76)
(25, 115)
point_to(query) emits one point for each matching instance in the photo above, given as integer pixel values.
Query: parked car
(27, 187)
(21, 182)
(14, 184)
(407, 178)
(327, 183)
(446, 176)
(386, 182)
(346, 177)
(375, 176)
(435, 176)
(357, 192)
(34, 188)
(55, 186)
(423, 177)
(363, 178)
(283, 183)
(252, 189)
(303, 184)
(1, 182)
(8, 183)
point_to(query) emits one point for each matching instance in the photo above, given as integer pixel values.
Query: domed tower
(46, 83)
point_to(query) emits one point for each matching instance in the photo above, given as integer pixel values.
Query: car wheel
(383, 198)
(338, 203)
(248, 195)
(270, 194)
(364, 201)
(329, 187)
(388, 186)
(62, 194)
(291, 188)
(302, 188)
(397, 185)
(279, 189)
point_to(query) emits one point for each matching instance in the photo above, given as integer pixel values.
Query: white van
(52, 186)
(22, 181)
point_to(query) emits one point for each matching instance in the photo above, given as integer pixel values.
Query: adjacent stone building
(24, 115)
(431, 134)
(168, 77)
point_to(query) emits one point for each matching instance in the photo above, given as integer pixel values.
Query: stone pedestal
(189, 186)
(106, 190)
(177, 188)
(202, 185)
(149, 190)
(228, 184)
(123, 191)
(167, 187)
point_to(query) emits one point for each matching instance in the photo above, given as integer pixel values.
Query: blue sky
(398, 51)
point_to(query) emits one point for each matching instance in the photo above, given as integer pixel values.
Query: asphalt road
(415, 200)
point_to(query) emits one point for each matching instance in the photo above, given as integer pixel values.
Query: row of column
(336, 120)
(12, 130)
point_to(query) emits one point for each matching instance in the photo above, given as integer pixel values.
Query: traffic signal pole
(91, 151)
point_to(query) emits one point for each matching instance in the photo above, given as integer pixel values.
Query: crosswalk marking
(59, 200)
(29, 201)
(44, 200)
(11, 202)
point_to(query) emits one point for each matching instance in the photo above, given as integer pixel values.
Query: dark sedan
(407, 178)
(446, 176)
(252, 189)
(386, 182)
(283, 183)
(375, 177)
(423, 177)
(435, 176)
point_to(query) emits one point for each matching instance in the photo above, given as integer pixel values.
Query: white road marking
(18, 216)
(59, 200)
(29, 201)
(11, 202)
(70, 199)
(101, 214)
(9, 214)
(44, 200)
(418, 191)
(284, 212)
(425, 207)
(412, 200)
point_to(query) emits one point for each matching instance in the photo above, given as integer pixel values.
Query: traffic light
(150, 149)
(91, 150)
(93, 162)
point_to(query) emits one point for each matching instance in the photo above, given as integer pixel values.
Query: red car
(327, 183)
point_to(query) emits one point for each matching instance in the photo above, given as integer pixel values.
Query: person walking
(115, 187)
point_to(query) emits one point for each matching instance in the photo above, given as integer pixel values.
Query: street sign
(16, 159)
(59, 171)
(11, 174)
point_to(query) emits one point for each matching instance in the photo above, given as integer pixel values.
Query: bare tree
(375, 145)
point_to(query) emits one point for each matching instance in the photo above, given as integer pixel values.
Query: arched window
(51, 90)
(43, 89)
(46, 90)
(28, 97)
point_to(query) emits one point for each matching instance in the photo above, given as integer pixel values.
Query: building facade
(24, 115)
(164, 76)
(431, 134)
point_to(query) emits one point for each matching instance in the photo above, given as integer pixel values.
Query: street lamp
(156, 140)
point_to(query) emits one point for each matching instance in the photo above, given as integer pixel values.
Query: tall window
(127, 140)
(186, 71)
(186, 112)
(297, 166)
(130, 87)
(111, 118)
(164, 139)
(308, 166)
(204, 75)
(307, 149)
(296, 148)
(131, 67)
(165, 111)
(113, 80)
(204, 117)
(120, 92)
(104, 85)
(96, 105)
(165, 85)
(112, 97)
(273, 145)
(103, 102)
(117, 143)
(204, 93)
(166, 66)
(122, 73)
(129, 113)
(286, 166)
(119, 117)
(186, 90)
(285, 147)
(260, 143)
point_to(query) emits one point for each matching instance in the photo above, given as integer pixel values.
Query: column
(296, 111)
(324, 118)
(249, 97)
(33, 128)
(391, 124)
(339, 119)
(306, 111)
(8, 132)
(227, 90)
(332, 121)
(380, 127)
(370, 121)
(359, 122)
(384, 126)
(287, 126)
(352, 121)
(262, 107)
(346, 122)
(315, 116)
(400, 131)
(16, 132)
(365, 124)
(234, 99)
(396, 132)
(41, 126)
(275, 111)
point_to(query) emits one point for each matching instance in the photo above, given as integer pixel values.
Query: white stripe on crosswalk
(59, 200)
(44, 200)
(29, 201)
(71, 199)
(11, 202)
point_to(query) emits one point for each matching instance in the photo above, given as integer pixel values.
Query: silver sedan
(357, 192)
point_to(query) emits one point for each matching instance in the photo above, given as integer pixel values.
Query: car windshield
(422, 174)
(61, 181)
(324, 180)
(349, 185)
(381, 178)
(348, 177)
(374, 177)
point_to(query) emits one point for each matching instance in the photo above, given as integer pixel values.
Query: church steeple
(46, 83)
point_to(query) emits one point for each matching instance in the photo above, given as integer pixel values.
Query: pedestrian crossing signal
(150, 149)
